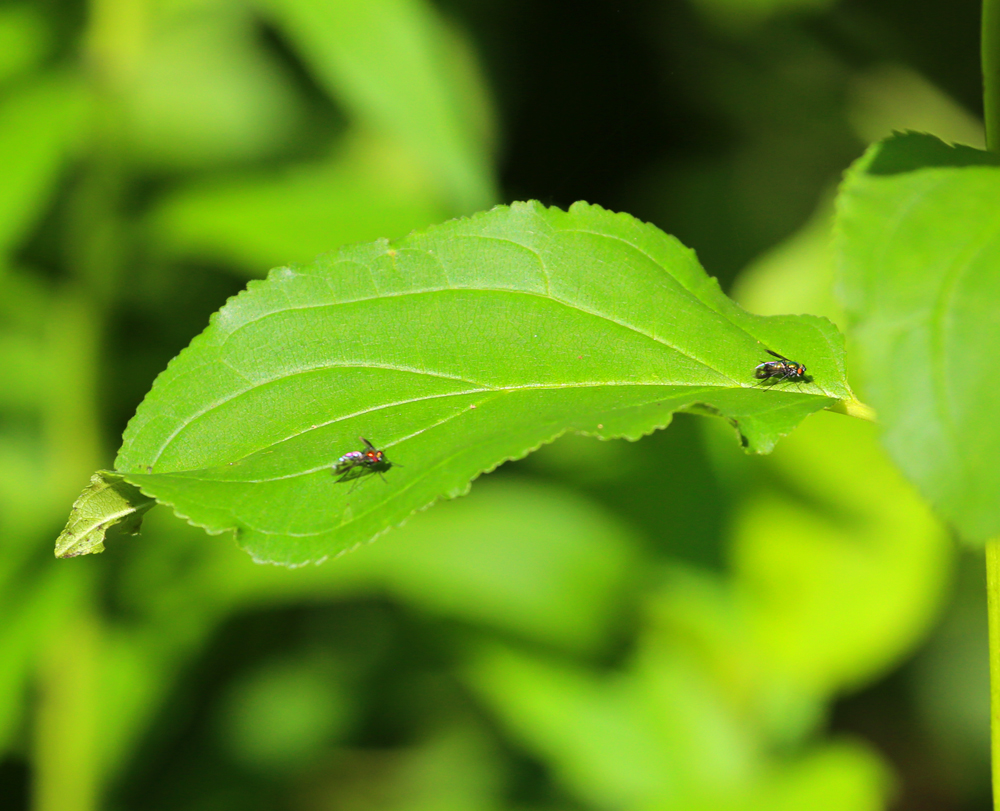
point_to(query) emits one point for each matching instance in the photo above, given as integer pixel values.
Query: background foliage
(605, 625)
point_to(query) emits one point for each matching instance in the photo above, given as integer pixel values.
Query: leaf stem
(990, 53)
(854, 408)
(993, 611)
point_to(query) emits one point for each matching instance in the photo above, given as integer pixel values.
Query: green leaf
(107, 502)
(204, 91)
(454, 350)
(845, 775)
(919, 245)
(660, 732)
(428, 95)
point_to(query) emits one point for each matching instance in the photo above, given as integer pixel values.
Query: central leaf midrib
(682, 387)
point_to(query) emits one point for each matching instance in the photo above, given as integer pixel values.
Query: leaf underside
(453, 350)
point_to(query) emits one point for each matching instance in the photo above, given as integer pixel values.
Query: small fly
(356, 464)
(775, 371)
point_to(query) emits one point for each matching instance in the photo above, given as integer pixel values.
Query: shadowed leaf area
(453, 350)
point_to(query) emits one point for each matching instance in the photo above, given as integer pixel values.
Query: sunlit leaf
(453, 350)
(919, 247)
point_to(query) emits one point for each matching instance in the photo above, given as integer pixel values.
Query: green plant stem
(990, 48)
(993, 609)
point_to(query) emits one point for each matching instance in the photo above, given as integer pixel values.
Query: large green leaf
(919, 247)
(455, 350)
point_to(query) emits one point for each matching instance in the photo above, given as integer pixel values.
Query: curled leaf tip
(107, 502)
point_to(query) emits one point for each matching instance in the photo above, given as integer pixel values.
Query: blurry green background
(659, 625)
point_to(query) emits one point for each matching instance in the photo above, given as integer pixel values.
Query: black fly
(774, 371)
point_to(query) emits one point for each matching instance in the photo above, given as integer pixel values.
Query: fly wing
(769, 352)
(353, 472)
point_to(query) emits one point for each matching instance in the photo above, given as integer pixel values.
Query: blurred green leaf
(455, 349)
(842, 776)
(25, 297)
(279, 717)
(530, 561)
(457, 767)
(918, 246)
(24, 39)
(797, 275)
(600, 736)
(107, 502)
(675, 728)
(891, 97)
(370, 188)
(428, 95)
(536, 561)
(24, 302)
(25, 504)
(735, 14)
(205, 92)
(868, 535)
(41, 121)
(950, 681)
